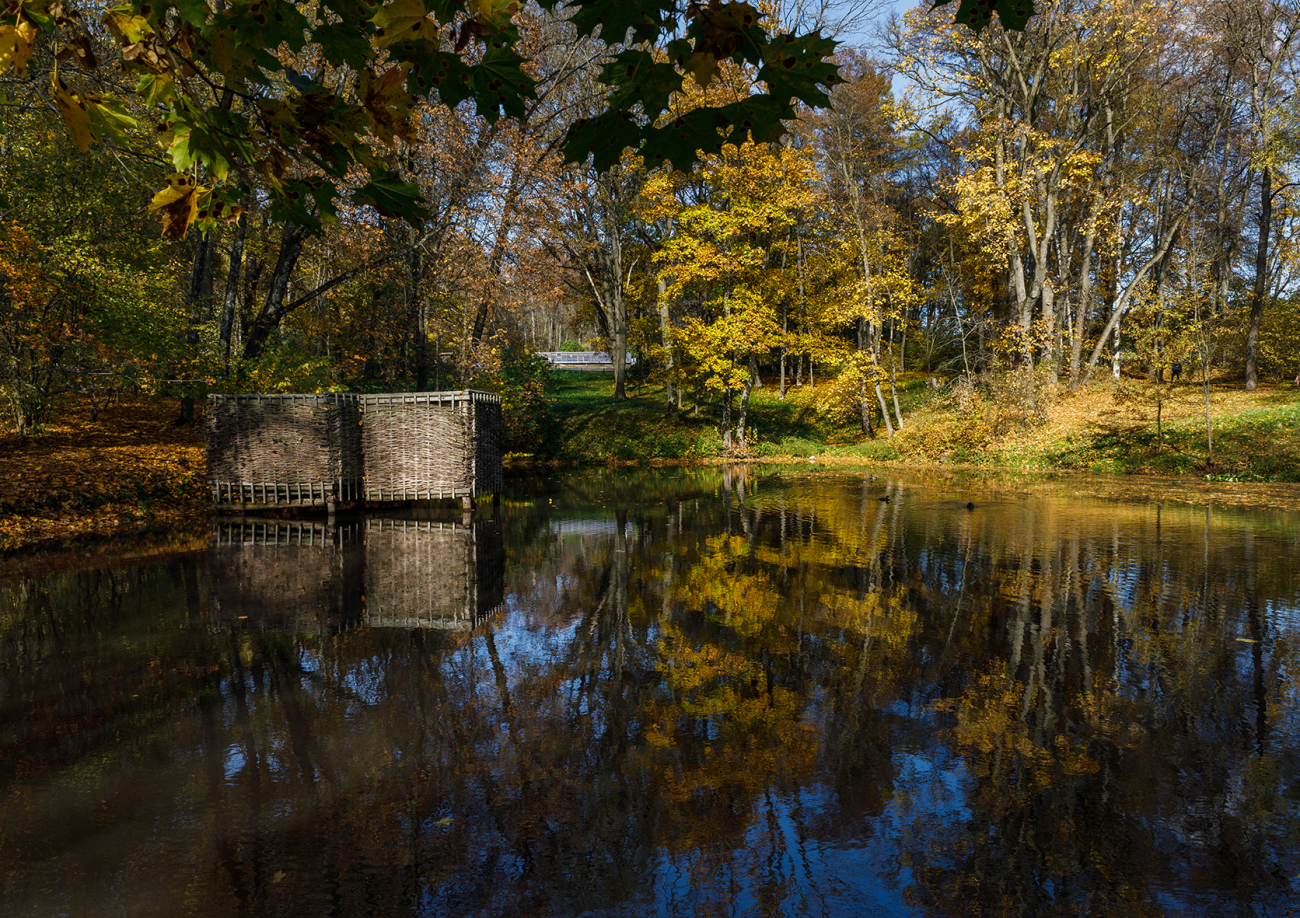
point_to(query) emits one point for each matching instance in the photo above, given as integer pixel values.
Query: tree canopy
(238, 87)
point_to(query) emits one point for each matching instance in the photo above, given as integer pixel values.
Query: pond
(776, 691)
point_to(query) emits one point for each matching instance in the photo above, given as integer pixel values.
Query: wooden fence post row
(333, 449)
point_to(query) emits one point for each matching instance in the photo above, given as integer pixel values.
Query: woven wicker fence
(432, 575)
(287, 576)
(284, 450)
(421, 446)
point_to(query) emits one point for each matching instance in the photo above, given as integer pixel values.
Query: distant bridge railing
(593, 360)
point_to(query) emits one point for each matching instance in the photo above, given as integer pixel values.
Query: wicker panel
(432, 575)
(489, 434)
(286, 576)
(289, 450)
(422, 446)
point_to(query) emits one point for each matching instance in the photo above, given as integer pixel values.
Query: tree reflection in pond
(707, 692)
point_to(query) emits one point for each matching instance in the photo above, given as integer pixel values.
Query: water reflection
(380, 572)
(703, 692)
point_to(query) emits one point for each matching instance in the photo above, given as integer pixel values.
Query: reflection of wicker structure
(286, 576)
(284, 450)
(421, 446)
(432, 575)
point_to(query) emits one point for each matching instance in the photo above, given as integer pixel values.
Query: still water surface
(699, 692)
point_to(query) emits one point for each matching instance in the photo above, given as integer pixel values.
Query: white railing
(582, 358)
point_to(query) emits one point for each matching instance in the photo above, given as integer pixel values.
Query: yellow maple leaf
(403, 19)
(492, 12)
(177, 204)
(126, 24)
(703, 66)
(16, 44)
(76, 116)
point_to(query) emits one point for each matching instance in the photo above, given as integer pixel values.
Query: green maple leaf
(109, 119)
(760, 117)
(603, 138)
(501, 84)
(434, 70)
(1013, 14)
(392, 197)
(354, 11)
(645, 18)
(797, 67)
(636, 77)
(680, 141)
(345, 43)
(195, 12)
(307, 202)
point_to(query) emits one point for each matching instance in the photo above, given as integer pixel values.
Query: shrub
(524, 382)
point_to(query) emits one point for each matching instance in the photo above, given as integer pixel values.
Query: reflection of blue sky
(798, 841)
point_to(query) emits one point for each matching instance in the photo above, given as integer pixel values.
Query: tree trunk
(893, 382)
(274, 308)
(666, 335)
(726, 419)
(199, 303)
(742, 438)
(1082, 308)
(230, 304)
(873, 335)
(416, 313)
(1259, 288)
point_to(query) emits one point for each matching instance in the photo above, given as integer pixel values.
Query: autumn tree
(732, 245)
(860, 153)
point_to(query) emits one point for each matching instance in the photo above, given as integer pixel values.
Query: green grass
(590, 427)
(1107, 429)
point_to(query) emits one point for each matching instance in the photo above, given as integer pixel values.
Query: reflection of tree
(1035, 707)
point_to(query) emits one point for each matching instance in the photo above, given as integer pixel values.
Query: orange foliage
(131, 471)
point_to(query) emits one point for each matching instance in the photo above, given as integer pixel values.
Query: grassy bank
(132, 472)
(1110, 427)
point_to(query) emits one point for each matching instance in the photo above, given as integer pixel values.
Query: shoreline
(129, 477)
(185, 528)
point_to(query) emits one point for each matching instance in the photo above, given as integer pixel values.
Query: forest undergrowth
(130, 471)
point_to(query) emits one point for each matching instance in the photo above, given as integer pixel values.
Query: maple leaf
(703, 67)
(501, 84)
(126, 24)
(679, 141)
(603, 138)
(640, 78)
(1012, 14)
(495, 13)
(76, 116)
(177, 204)
(392, 197)
(344, 43)
(389, 104)
(796, 67)
(109, 118)
(726, 30)
(403, 19)
(615, 17)
(434, 69)
(16, 44)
